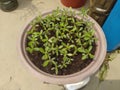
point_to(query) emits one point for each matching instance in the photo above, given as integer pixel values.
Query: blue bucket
(111, 28)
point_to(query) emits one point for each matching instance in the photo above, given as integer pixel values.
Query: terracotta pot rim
(72, 78)
(73, 3)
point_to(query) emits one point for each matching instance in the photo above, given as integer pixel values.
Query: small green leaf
(72, 46)
(46, 63)
(74, 29)
(90, 48)
(103, 72)
(36, 49)
(70, 54)
(56, 70)
(84, 57)
(60, 46)
(73, 20)
(31, 44)
(44, 57)
(42, 50)
(57, 18)
(30, 50)
(60, 66)
(55, 66)
(69, 27)
(31, 31)
(81, 28)
(81, 50)
(86, 38)
(91, 56)
(44, 40)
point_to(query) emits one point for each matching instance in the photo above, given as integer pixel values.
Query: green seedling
(61, 35)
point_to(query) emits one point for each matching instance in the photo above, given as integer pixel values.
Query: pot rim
(72, 78)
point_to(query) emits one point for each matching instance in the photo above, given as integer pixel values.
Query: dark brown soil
(76, 65)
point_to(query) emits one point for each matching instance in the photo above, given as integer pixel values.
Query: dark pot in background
(73, 3)
(8, 5)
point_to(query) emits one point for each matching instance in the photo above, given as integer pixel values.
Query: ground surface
(13, 74)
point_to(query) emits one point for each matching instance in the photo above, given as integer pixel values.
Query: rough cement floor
(13, 74)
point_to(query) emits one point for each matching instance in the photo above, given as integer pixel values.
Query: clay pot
(73, 3)
(72, 78)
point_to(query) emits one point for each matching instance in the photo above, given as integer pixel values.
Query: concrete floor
(13, 74)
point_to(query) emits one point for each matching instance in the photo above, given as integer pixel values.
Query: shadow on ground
(105, 85)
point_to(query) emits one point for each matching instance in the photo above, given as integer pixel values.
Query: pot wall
(67, 79)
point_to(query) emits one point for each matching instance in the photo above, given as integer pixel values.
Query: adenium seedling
(61, 35)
